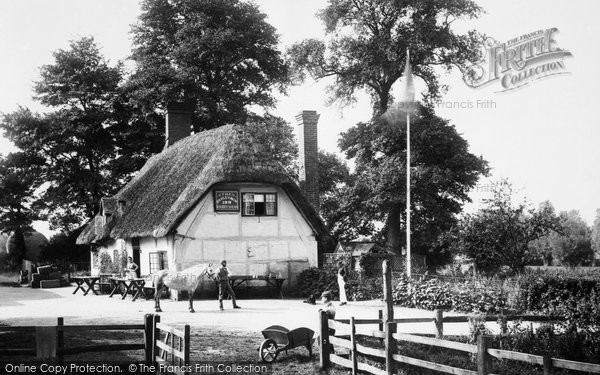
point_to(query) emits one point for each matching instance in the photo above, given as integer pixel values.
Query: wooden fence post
(439, 324)
(186, 343)
(390, 348)
(155, 336)
(548, 368)
(484, 360)
(388, 315)
(353, 353)
(148, 336)
(60, 339)
(324, 342)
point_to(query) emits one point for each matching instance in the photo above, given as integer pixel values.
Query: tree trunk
(17, 249)
(384, 100)
(394, 234)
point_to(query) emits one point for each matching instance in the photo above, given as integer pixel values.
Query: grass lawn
(208, 347)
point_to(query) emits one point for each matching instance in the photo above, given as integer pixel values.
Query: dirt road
(26, 306)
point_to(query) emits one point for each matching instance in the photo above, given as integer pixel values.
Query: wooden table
(124, 285)
(237, 280)
(104, 285)
(85, 283)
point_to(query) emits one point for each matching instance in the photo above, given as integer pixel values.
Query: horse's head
(210, 272)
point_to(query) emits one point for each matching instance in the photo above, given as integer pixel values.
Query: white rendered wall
(150, 245)
(279, 245)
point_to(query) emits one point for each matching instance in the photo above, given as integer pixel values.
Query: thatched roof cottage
(209, 196)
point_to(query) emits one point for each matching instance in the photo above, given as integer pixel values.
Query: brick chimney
(309, 165)
(179, 122)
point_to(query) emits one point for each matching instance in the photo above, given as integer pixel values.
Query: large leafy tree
(442, 173)
(277, 139)
(219, 55)
(571, 246)
(366, 43)
(365, 49)
(19, 175)
(500, 235)
(336, 208)
(89, 143)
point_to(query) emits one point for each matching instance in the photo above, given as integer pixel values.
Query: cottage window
(158, 261)
(260, 204)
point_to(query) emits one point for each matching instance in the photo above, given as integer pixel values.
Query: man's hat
(223, 261)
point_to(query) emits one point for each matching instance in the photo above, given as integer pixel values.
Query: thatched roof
(172, 182)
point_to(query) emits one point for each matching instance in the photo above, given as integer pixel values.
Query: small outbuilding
(214, 195)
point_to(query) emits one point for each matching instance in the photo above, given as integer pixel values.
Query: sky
(542, 137)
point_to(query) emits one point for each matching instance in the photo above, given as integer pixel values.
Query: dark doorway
(135, 246)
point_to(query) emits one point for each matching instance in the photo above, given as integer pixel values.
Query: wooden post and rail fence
(387, 331)
(162, 344)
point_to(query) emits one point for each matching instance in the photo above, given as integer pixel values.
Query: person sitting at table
(222, 276)
(131, 268)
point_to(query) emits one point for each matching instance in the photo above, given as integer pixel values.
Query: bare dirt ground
(231, 336)
(26, 306)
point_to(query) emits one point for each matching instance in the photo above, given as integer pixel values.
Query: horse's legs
(191, 299)
(158, 292)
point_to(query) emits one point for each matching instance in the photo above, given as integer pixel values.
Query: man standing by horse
(224, 286)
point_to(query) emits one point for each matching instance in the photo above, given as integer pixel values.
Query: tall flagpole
(408, 100)
(408, 268)
(406, 104)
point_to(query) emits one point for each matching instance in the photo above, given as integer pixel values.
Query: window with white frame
(259, 204)
(158, 261)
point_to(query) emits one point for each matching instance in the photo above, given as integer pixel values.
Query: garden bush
(105, 263)
(363, 288)
(431, 294)
(548, 340)
(317, 280)
(539, 292)
(435, 294)
(358, 286)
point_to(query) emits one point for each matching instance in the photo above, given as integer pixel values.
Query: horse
(187, 279)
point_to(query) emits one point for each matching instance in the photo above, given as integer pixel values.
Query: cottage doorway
(135, 247)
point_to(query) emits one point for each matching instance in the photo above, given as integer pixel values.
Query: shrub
(358, 286)
(105, 262)
(316, 280)
(362, 288)
(477, 327)
(545, 340)
(402, 293)
(539, 292)
(435, 294)
(432, 294)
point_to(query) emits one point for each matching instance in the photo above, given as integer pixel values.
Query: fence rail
(49, 341)
(483, 351)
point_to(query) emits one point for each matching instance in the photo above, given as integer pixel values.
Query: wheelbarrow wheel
(268, 351)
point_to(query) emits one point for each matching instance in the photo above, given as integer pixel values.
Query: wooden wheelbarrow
(278, 339)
